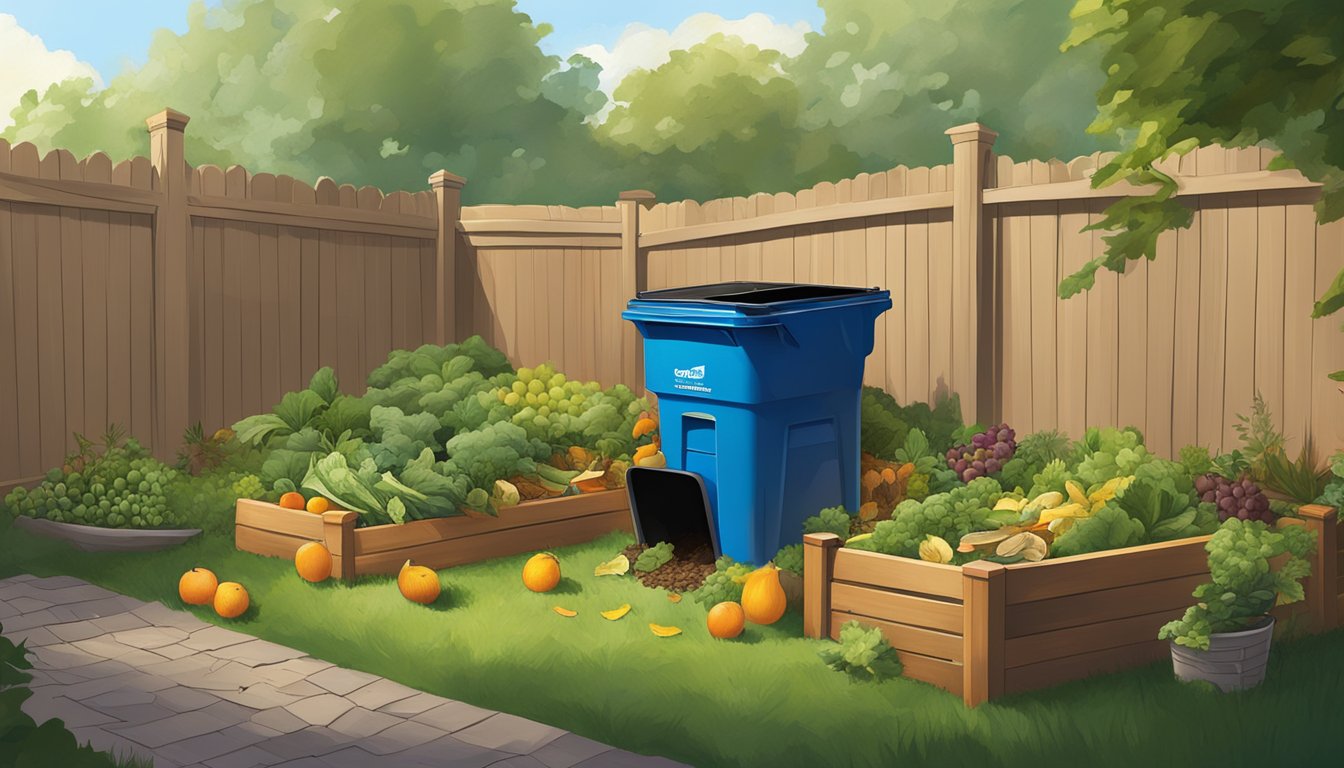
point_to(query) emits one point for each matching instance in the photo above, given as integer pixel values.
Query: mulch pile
(683, 573)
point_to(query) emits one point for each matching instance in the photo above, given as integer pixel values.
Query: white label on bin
(690, 378)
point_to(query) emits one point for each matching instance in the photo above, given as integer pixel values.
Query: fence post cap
(1317, 511)
(821, 540)
(971, 132)
(169, 118)
(338, 516)
(446, 179)
(637, 195)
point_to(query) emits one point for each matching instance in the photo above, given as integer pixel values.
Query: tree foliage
(1187, 73)
(387, 91)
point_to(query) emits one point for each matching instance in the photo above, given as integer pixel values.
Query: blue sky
(107, 34)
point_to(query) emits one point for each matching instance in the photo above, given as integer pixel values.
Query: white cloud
(643, 47)
(26, 63)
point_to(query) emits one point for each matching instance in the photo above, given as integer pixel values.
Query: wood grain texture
(942, 615)
(915, 577)
(903, 637)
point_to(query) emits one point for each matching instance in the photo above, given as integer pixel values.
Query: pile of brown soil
(683, 573)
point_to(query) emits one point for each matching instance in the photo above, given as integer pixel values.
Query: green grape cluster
(248, 487)
(722, 585)
(122, 488)
(948, 515)
(551, 407)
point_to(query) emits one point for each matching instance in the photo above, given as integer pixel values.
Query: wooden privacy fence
(156, 299)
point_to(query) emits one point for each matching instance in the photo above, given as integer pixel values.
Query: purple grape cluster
(984, 455)
(1239, 498)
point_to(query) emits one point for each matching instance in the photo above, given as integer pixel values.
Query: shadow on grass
(567, 586)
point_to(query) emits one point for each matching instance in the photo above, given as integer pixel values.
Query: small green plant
(790, 559)
(654, 557)
(862, 653)
(830, 520)
(1244, 586)
(1259, 437)
(724, 584)
(1302, 480)
(1197, 460)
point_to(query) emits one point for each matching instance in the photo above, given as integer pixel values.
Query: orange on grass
(292, 500)
(313, 562)
(418, 583)
(542, 572)
(726, 620)
(231, 600)
(197, 586)
(318, 504)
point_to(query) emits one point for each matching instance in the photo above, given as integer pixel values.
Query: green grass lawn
(764, 699)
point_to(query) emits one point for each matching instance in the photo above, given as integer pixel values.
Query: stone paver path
(131, 676)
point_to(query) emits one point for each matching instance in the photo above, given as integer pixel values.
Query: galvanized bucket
(1235, 660)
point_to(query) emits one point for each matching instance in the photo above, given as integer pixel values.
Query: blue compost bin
(758, 389)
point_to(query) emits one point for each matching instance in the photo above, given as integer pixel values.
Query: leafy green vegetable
(1244, 585)
(654, 557)
(399, 437)
(830, 520)
(790, 559)
(948, 515)
(1197, 460)
(1051, 478)
(350, 488)
(1108, 528)
(1110, 453)
(1033, 452)
(862, 652)
(423, 490)
(884, 423)
(1300, 480)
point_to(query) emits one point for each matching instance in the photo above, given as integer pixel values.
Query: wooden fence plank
(1298, 328)
(904, 574)
(942, 615)
(1079, 574)
(231, 374)
(50, 328)
(119, 320)
(71, 257)
(1102, 336)
(942, 303)
(1045, 277)
(1212, 320)
(897, 327)
(1239, 356)
(1101, 605)
(1269, 332)
(1159, 348)
(10, 437)
(1132, 345)
(272, 386)
(1327, 410)
(142, 330)
(1097, 636)
(1186, 347)
(1074, 251)
(289, 255)
(250, 295)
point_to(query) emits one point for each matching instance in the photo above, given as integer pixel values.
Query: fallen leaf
(616, 613)
(674, 597)
(935, 549)
(614, 567)
(662, 631)
(868, 511)
(565, 612)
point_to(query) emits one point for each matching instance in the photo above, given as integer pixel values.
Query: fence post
(634, 278)
(177, 379)
(338, 536)
(448, 206)
(819, 551)
(1323, 585)
(983, 592)
(973, 334)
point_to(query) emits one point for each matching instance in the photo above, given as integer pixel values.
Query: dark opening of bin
(671, 505)
(753, 293)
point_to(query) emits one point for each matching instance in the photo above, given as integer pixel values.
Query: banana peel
(1007, 504)
(662, 631)
(1072, 509)
(1076, 493)
(567, 613)
(616, 613)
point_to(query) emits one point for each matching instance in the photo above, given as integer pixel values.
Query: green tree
(719, 119)
(1187, 73)
(888, 76)
(371, 92)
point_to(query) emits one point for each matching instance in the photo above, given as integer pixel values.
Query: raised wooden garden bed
(984, 630)
(267, 529)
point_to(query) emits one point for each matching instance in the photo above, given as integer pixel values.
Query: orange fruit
(542, 572)
(418, 583)
(197, 586)
(763, 598)
(231, 600)
(318, 504)
(292, 500)
(313, 562)
(726, 620)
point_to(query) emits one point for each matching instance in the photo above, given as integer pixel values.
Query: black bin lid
(670, 505)
(752, 293)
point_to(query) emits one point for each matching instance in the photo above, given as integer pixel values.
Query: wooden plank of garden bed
(908, 609)
(940, 672)
(496, 543)
(1100, 606)
(1047, 646)
(269, 543)
(905, 574)
(382, 538)
(269, 517)
(903, 637)
(1047, 673)
(1080, 574)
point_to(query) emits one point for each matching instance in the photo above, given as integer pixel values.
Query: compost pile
(683, 573)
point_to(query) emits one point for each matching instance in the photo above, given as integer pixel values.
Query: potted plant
(1224, 638)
